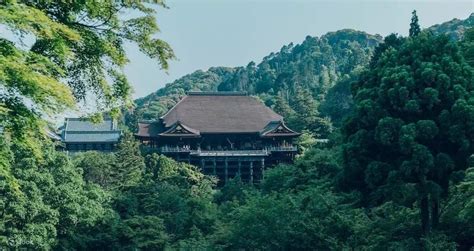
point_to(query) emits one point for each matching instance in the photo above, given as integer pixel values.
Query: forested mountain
(454, 28)
(298, 73)
(159, 102)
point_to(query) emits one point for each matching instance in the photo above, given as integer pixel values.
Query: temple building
(224, 133)
(80, 134)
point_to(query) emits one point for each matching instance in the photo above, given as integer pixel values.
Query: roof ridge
(217, 93)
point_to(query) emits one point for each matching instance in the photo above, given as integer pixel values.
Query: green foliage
(404, 158)
(305, 141)
(338, 103)
(283, 80)
(459, 213)
(44, 200)
(129, 164)
(411, 123)
(455, 28)
(176, 195)
(414, 26)
(157, 104)
(76, 50)
(467, 46)
(113, 171)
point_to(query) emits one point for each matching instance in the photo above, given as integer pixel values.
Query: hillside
(157, 103)
(314, 66)
(454, 28)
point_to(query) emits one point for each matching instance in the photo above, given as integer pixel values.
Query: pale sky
(205, 33)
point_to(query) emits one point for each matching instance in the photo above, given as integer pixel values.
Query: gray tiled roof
(91, 137)
(216, 113)
(82, 130)
(80, 124)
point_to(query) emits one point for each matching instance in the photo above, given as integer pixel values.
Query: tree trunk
(425, 214)
(434, 212)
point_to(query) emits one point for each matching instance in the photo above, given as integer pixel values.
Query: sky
(206, 33)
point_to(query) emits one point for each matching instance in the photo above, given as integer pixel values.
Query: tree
(175, 196)
(113, 171)
(306, 110)
(338, 103)
(97, 168)
(412, 128)
(467, 45)
(44, 201)
(282, 107)
(459, 212)
(129, 164)
(305, 141)
(76, 50)
(414, 26)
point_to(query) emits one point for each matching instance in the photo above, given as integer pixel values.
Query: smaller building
(80, 134)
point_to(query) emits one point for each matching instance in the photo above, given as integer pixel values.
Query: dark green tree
(44, 202)
(282, 107)
(412, 129)
(129, 165)
(467, 46)
(414, 26)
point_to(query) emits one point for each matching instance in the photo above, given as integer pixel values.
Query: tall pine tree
(414, 26)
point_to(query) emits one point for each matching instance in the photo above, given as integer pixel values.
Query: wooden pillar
(251, 172)
(240, 165)
(214, 166)
(202, 165)
(226, 170)
(262, 168)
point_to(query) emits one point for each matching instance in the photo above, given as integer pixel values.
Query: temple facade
(224, 133)
(80, 134)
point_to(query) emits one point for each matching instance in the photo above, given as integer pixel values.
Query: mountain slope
(315, 66)
(454, 28)
(156, 104)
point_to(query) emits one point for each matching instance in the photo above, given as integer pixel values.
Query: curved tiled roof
(221, 113)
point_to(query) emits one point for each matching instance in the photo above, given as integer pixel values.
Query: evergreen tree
(414, 26)
(129, 164)
(412, 129)
(282, 107)
(306, 110)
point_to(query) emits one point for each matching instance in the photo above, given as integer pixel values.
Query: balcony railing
(218, 153)
(174, 149)
(265, 151)
(281, 148)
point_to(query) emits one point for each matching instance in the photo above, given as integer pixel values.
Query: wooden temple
(81, 134)
(224, 133)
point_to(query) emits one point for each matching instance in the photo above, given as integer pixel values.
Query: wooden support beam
(202, 165)
(214, 166)
(226, 170)
(262, 168)
(240, 167)
(251, 172)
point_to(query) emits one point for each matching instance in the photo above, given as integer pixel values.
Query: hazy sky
(205, 33)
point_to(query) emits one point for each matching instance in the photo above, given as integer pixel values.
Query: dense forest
(396, 173)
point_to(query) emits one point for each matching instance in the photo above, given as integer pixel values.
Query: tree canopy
(396, 174)
(411, 134)
(59, 53)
